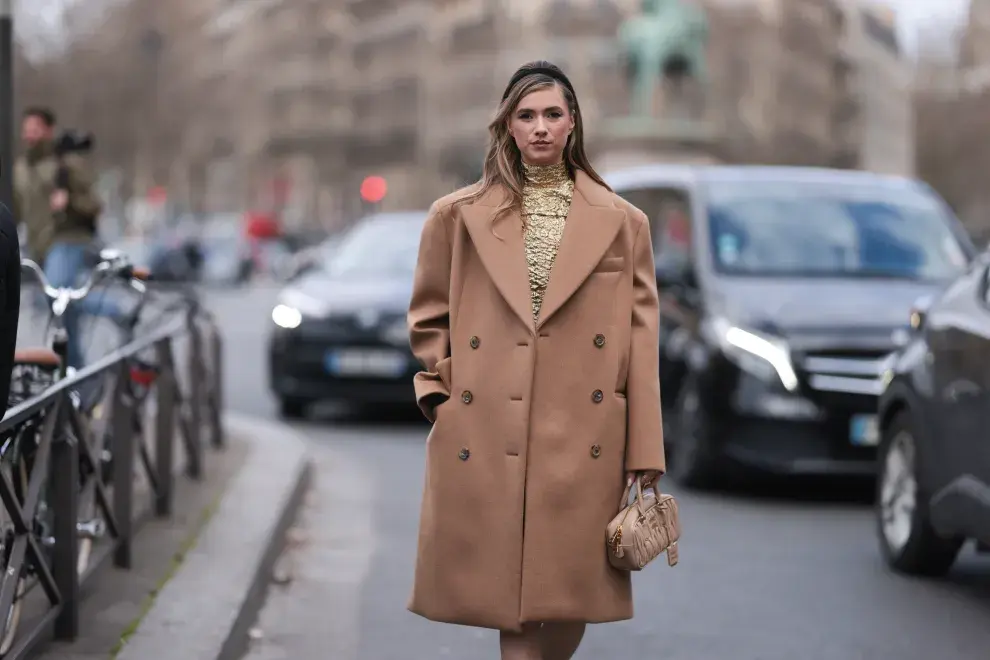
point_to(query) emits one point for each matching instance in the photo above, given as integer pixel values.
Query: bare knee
(524, 645)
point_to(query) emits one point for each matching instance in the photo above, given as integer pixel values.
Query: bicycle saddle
(42, 357)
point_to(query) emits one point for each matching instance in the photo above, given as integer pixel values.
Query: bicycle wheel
(17, 474)
(90, 525)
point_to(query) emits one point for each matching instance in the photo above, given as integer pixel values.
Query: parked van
(784, 291)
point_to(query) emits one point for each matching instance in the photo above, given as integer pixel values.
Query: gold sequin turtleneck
(547, 194)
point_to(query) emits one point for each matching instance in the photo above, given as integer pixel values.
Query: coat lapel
(591, 227)
(503, 256)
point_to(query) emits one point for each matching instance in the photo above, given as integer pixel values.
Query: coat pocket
(610, 265)
(443, 370)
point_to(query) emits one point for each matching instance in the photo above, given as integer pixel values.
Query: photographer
(54, 199)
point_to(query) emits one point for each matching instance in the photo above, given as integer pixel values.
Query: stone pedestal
(632, 141)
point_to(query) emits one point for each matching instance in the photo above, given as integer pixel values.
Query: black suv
(933, 490)
(784, 291)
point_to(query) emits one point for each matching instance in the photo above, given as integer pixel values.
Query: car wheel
(908, 541)
(292, 408)
(693, 462)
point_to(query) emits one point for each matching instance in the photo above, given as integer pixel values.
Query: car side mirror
(668, 278)
(674, 273)
(677, 279)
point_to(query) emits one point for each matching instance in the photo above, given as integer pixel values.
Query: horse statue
(666, 41)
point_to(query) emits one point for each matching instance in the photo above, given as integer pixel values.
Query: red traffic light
(373, 189)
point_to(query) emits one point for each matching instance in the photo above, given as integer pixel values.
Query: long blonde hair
(503, 167)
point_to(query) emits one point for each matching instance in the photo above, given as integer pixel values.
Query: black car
(783, 291)
(933, 489)
(339, 331)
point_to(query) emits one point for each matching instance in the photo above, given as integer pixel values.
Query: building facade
(882, 134)
(952, 100)
(302, 99)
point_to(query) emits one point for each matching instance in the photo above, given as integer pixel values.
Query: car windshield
(378, 247)
(828, 230)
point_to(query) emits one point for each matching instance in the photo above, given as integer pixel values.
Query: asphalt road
(777, 576)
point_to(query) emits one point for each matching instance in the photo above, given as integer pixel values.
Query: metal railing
(67, 459)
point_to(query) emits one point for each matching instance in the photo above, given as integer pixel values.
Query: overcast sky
(915, 14)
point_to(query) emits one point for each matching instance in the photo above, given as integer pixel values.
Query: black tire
(693, 462)
(11, 625)
(292, 408)
(925, 552)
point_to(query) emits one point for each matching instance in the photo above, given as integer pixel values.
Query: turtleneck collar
(544, 176)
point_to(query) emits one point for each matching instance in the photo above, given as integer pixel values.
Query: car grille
(346, 329)
(302, 352)
(857, 373)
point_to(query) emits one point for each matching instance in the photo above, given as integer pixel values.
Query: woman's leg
(523, 645)
(560, 641)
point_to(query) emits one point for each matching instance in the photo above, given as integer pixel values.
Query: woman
(534, 314)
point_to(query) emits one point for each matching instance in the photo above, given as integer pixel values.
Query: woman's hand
(649, 477)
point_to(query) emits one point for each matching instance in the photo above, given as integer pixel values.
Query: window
(793, 229)
(381, 246)
(669, 212)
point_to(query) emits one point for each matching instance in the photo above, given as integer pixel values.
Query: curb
(205, 610)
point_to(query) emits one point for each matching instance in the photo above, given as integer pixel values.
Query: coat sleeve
(644, 443)
(82, 197)
(429, 314)
(10, 264)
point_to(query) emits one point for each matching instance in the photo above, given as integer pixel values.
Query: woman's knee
(523, 645)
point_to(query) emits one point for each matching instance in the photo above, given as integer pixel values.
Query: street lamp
(150, 45)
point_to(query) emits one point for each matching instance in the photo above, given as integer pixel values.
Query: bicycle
(35, 370)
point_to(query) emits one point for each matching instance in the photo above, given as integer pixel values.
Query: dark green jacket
(34, 183)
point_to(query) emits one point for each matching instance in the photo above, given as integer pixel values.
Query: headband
(551, 71)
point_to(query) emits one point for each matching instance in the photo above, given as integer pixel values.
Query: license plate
(864, 431)
(365, 363)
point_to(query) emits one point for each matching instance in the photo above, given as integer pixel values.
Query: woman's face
(540, 125)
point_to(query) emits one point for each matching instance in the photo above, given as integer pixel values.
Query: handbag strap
(639, 494)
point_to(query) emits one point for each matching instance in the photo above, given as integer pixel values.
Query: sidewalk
(202, 572)
(313, 608)
(204, 610)
(114, 601)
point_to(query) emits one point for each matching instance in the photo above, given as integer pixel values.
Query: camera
(70, 141)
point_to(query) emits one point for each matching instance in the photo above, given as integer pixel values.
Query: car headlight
(295, 305)
(286, 317)
(762, 355)
(886, 369)
(919, 310)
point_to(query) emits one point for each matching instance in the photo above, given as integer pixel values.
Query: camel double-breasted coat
(525, 461)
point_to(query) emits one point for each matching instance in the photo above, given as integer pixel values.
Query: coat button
(599, 340)
(597, 396)
(467, 397)
(596, 451)
(464, 454)
(475, 342)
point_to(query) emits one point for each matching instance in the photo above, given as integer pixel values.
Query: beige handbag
(642, 530)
